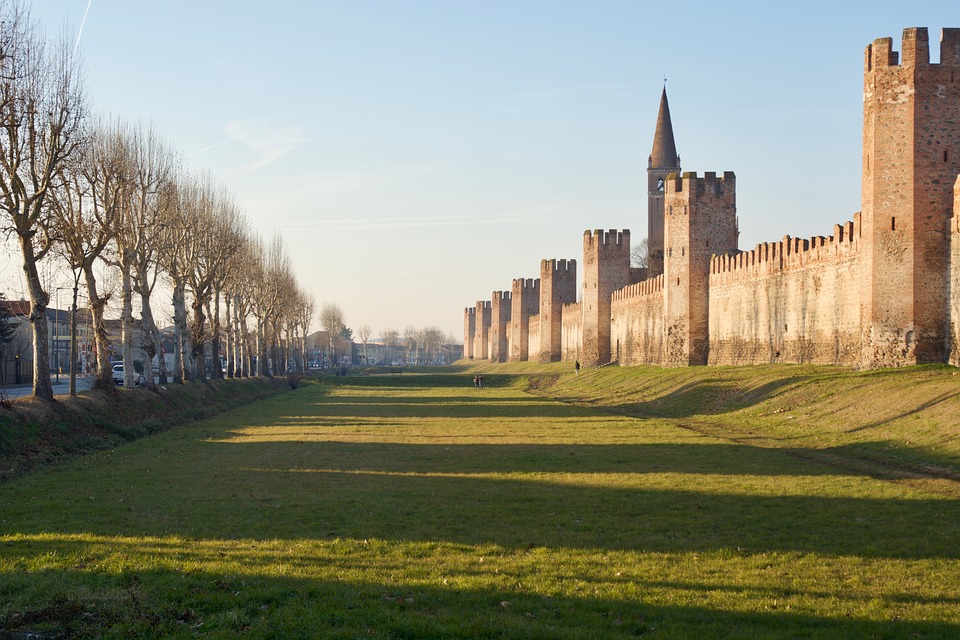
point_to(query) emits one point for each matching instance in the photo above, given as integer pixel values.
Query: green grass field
(765, 502)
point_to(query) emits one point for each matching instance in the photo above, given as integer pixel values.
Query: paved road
(61, 388)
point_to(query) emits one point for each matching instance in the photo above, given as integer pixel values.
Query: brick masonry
(882, 290)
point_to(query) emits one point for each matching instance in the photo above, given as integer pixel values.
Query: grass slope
(734, 503)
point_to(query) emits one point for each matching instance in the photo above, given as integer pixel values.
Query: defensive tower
(469, 331)
(700, 221)
(526, 301)
(481, 343)
(911, 157)
(606, 268)
(558, 286)
(499, 326)
(662, 162)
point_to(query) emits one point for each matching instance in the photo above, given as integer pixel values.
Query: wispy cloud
(391, 223)
(269, 139)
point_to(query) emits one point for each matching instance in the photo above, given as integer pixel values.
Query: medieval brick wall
(883, 290)
(636, 323)
(789, 301)
(533, 336)
(571, 334)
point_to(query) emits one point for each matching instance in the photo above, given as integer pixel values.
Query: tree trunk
(101, 341)
(199, 367)
(126, 325)
(217, 373)
(38, 318)
(179, 331)
(231, 366)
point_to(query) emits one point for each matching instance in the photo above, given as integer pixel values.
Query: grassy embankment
(738, 503)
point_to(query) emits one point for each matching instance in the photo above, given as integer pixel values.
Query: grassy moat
(757, 502)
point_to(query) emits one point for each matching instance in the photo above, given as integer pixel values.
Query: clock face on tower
(660, 184)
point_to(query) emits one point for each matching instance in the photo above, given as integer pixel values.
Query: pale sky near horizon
(417, 155)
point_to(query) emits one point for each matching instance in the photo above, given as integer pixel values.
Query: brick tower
(526, 301)
(662, 162)
(606, 268)
(481, 343)
(911, 157)
(499, 325)
(469, 331)
(558, 286)
(701, 220)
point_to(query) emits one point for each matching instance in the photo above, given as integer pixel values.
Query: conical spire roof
(664, 154)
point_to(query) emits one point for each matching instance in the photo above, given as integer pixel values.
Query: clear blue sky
(417, 155)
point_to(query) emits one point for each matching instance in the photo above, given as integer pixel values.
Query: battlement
(526, 285)
(606, 239)
(792, 252)
(552, 265)
(640, 289)
(916, 50)
(692, 185)
(484, 305)
(470, 311)
(502, 296)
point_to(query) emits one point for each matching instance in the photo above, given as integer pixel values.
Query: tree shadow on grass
(506, 495)
(175, 604)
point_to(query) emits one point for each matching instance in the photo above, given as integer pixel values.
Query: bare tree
(639, 255)
(364, 332)
(42, 108)
(304, 315)
(331, 319)
(391, 338)
(152, 198)
(86, 212)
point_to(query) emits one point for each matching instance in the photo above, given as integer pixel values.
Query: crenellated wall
(883, 290)
(571, 336)
(533, 334)
(789, 301)
(636, 323)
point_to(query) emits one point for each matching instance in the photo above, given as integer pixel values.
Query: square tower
(499, 325)
(481, 343)
(469, 331)
(606, 268)
(700, 221)
(526, 302)
(911, 157)
(558, 286)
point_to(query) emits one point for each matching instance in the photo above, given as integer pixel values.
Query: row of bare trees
(99, 194)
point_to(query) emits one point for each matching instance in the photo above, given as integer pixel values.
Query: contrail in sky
(213, 146)
(80, 32)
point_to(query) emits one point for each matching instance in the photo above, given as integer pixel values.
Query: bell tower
(662, 162)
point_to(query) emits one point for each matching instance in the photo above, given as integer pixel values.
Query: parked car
(118, 375)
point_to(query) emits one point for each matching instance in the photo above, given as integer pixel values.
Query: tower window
(946, 156)
(893, 223)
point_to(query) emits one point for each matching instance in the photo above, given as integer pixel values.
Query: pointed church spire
(664, 154)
